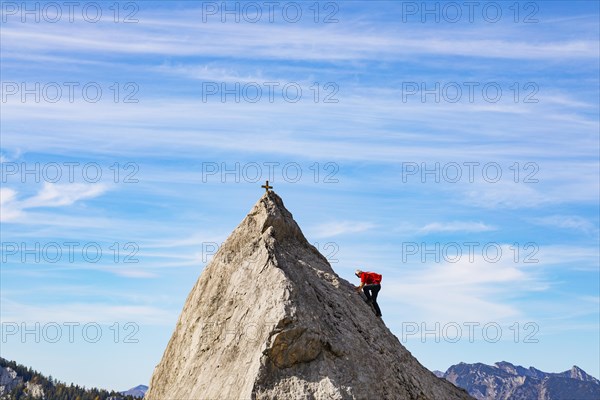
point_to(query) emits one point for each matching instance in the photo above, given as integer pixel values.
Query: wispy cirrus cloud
(476, 289)
(101, 313)
(456, 226)
(8, 211)
(471, 289)
(50, 195)
(506, 195)
(211, 73)
(59, 195)
(336, 42)
(570, 222)
(337, 228)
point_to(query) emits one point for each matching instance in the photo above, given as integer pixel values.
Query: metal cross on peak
(267, 187)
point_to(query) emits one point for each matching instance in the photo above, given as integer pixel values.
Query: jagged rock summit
(270, 319)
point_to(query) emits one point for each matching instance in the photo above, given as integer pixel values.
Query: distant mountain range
(138, 391)
(505, 381)
(501, 381)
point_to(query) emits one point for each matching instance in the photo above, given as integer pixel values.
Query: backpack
(376, 278)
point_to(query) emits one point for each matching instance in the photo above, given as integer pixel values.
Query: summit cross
(266, 186)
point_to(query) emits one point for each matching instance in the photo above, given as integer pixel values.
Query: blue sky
(428, 142)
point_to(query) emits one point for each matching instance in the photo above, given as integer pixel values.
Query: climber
(370, 283)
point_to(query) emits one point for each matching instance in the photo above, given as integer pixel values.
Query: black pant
(371, 292)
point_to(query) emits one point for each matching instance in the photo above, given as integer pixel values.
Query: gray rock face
(34, 390)
(505, 381)
(437, 373)
(8, 380)
(270, 319)
(577, 373)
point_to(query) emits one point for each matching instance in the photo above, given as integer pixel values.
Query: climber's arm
(359, 288)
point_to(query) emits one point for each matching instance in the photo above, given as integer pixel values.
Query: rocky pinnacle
(268, 318)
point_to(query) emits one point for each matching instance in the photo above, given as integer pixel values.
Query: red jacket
(370, 278)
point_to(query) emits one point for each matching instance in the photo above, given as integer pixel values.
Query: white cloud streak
(289, 42)
(50, 195)
(477, 290)
(569, 222)
(456, 226)
(100, 313)
(337, 228)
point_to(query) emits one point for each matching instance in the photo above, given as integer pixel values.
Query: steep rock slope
(269, 318)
